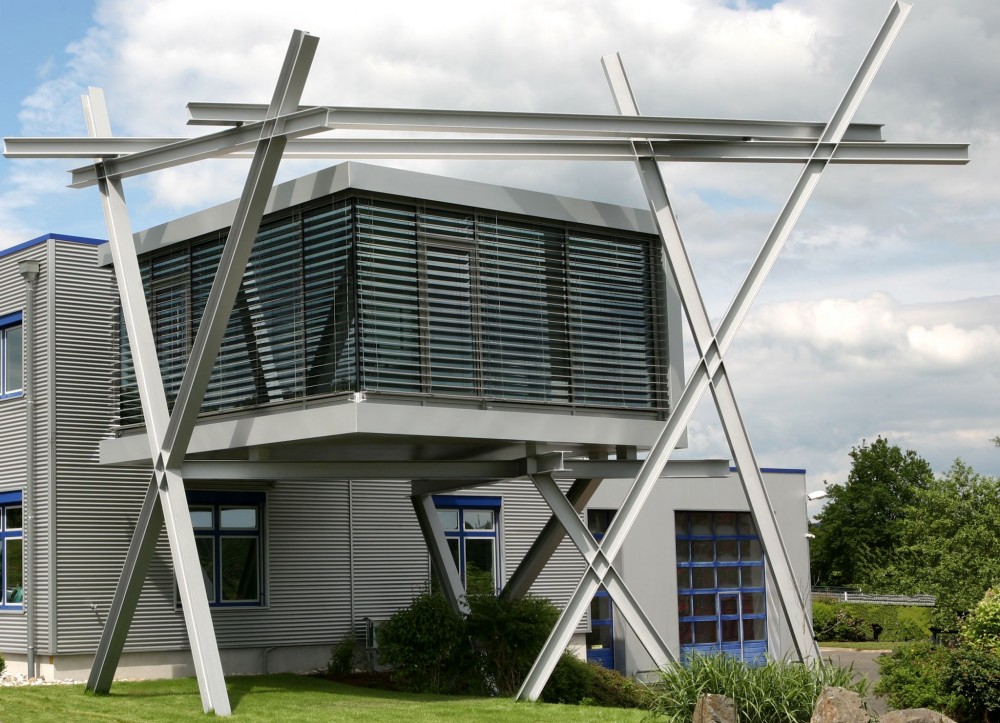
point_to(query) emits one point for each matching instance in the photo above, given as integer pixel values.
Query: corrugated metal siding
(12, 435)
(391, 564)
(96, 507)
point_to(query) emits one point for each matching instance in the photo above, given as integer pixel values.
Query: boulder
(715, 708)
(839, 705)
(915, 715)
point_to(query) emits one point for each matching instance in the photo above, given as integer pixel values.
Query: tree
(950, 542)
(859, 529)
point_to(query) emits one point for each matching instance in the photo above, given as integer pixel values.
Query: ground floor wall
(340, 555)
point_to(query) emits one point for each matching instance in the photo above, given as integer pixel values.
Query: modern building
(390, 326)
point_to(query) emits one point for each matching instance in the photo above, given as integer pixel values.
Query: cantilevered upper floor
(420, 314)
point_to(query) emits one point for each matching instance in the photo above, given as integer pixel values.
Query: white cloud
(839, 348)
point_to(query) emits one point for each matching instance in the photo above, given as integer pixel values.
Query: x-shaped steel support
(710, 372)
(170, 433)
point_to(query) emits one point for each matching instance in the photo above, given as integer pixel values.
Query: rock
(915, 715)
(715, 708)
(839, 705)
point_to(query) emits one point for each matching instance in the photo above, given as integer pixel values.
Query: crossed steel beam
(267, 133)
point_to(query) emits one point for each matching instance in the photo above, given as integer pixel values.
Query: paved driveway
(864, 664)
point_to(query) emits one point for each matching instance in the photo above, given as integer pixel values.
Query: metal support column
(441, 560)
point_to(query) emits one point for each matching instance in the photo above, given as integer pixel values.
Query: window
(601, 638)
(471, 528)
(227, 532)
(11, 356)
(720, 585)
(11, 551)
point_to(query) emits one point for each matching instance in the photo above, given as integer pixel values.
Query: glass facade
(389, 296)
(720, 585)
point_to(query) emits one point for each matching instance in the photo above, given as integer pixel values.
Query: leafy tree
(950, 542)
(859, 529)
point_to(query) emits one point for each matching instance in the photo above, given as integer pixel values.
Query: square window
(751, 551)
(729, 605)
(730, 631)
(744, 524)
(727, 551)
(755, 629)
(753, 603)
(202, 518)
(729, 577)
(725, 524)
(701, 524)
(752, 576)
(12, 518)
(449, 519)
(685, 633)
(703, 577)
(702, 551)
(706, 632)
(704, 605)
(680, 524)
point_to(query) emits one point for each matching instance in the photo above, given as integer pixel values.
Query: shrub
(569, 682)
(575, 681)
(777, 692)
(3, 664)
(427, 647)
(434, 649)
(980, 630)
(917, 676)
(342, 656)
(974, 678)
(852, 622)
(507, 636)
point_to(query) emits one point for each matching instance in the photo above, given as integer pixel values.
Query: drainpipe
(29, 269)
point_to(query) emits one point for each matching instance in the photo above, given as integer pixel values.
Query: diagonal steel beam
(710, 370)
(236, 252)
(441, 558)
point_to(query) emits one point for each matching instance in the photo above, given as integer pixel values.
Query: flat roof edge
(410, 184)
(50, 237)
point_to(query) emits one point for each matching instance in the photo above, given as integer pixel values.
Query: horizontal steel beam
(209, 146)
(559, 124)
(510, 149)
(468, 472)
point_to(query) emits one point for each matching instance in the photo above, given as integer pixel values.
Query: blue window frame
(11, 551)
(11, 356)
(721, 601)
(601, 638)
(228, 531)
(471, 526)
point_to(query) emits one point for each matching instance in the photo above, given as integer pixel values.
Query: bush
(342, 657)
(974, 677)
(980, 630)
(852, 622)
(427, 647)
(575, 681)
(507, 636)
(917, 676)
(570, 681)
(776, 692)
(3, 664)
(436, 650)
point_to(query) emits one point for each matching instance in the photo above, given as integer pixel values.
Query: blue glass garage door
(721, 601)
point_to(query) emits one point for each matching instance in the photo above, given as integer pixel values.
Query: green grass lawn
(285, 698)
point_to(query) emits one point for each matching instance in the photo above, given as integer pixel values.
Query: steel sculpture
(268, 133)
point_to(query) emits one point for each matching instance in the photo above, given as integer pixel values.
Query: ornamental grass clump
(778, 691)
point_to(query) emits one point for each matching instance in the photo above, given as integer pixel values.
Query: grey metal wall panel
(391, 564)
(13, 628)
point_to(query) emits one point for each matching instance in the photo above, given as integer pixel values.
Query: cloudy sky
(881, 318)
